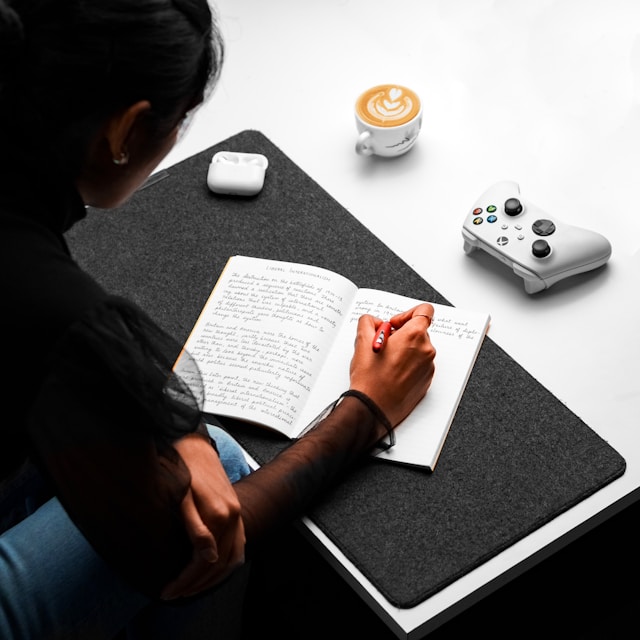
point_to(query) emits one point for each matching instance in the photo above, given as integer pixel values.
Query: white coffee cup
(388, 118)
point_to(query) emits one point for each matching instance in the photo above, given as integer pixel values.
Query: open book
(274, 341)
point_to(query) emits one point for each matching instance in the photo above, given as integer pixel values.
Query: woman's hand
(397, 377)
(211, 511)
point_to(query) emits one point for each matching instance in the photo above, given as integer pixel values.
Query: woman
(114, 493)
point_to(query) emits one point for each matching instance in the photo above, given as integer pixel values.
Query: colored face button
(492, 218)
(491, 208)
(477, 220)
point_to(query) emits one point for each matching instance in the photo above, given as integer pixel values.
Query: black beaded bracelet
(377, 413)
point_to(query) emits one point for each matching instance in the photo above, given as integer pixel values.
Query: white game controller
(538, 247)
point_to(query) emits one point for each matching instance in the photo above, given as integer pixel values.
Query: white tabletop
(543, 92)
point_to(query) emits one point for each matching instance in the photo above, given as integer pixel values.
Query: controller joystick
(538, 247)
(512, 207)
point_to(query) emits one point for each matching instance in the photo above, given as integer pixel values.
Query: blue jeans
(53, 585)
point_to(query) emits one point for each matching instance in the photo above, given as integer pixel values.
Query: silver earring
(122, 159)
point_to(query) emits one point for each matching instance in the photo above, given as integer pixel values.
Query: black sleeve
(101, 429)
(298, 475)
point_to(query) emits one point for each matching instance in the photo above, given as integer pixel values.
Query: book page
(456, 335)
(262, 336)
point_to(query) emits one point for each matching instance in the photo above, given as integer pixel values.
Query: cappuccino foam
(388, 105)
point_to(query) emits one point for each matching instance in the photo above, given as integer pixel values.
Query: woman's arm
(395, 379)
(266, 498)
(131, 493)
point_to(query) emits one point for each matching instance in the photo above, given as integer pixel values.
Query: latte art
(388, 105)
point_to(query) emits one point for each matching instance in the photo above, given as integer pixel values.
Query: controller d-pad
(543, 227)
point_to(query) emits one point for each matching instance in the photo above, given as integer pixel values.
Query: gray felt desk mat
(515, 457)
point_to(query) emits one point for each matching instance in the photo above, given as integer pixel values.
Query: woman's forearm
(284, 487)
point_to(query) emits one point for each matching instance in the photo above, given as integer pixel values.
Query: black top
(89, 392)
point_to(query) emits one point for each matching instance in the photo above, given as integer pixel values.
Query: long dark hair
(67, 64)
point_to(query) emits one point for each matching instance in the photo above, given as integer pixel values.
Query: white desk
(546, 93)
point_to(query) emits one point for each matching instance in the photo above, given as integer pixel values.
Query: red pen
(381, 336)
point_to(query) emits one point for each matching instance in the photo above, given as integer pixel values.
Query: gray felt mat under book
(515, 457)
